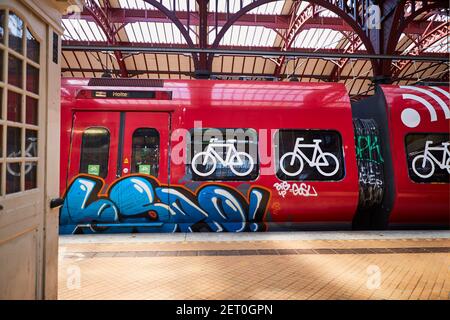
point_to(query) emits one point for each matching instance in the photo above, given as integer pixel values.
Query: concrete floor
(295, 265)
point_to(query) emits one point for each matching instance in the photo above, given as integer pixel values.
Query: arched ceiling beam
(410, 12)
(354, 44)
(124, 16)
(425, 41)
(403, 16)
(100, 16)
(170, 14)
(351, 14)
(296, 24)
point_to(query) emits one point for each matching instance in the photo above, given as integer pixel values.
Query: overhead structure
(355, 41)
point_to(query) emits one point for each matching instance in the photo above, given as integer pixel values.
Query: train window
(95, 152)
(309, 155)
(223, 154)
(145, 157)
(428, 157)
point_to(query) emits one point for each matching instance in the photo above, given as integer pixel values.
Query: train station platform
(294, 265)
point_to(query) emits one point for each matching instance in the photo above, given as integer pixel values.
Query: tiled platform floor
(264, 269)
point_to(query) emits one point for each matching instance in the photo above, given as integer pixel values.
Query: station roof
(265, 27)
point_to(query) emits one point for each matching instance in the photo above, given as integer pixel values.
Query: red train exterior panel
(264, 107)
(418, 110)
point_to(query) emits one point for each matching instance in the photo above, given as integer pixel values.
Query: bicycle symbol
(326, 163)
(423, 165)
(30, 152)
(233, 159)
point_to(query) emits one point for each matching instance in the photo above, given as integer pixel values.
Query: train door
(126, 155)
(94, 145)
(111, 145)
(146, 145)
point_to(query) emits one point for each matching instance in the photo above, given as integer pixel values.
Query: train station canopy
(330, 40)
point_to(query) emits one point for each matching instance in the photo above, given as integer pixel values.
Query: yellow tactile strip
(254, 245)
(253, 252)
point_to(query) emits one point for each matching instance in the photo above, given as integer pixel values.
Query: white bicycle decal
(424, 165)
(320, 160)
(30, 152)
(233, 159)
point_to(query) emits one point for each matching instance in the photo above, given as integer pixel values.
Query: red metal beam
(356, 20)
(178, 24)
(234, 74)
(403, 17)
(124, 44)
(272, 21)
(203, 37)
(296, 23)
(184, 46)
(100, 15)
(354, 45)
(427, 40)
(412, 11)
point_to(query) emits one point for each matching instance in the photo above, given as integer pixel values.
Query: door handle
(56, 202)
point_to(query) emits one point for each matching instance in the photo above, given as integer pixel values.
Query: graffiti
(370, 163)
(371, 184)
(423, 165)
(295, 160)
(367, 178)
(233, 159)
(302, 189)
(411, 117)
(139, 203)
(368, 148)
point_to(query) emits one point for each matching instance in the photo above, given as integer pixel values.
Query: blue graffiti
(140, 203)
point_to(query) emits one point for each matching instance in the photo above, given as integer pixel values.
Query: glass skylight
(155, 32)
(318, 38)
(328, 14)
(180, 5)
(235, 6)
(441, 46)
(246, 36)
(82, 30)
(302, 6)
(269, 8)
(441, 17)
(325, 13)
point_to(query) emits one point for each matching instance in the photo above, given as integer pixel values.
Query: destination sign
(124, 94)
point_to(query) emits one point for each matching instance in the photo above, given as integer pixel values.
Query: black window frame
(409, 168)
(107, 153)
(277, 155)
(188, 168)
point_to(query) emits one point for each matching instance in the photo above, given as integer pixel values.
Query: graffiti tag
(302, 189)
(370, 179)
(368, 148)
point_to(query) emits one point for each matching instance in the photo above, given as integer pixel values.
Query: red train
(200, 155)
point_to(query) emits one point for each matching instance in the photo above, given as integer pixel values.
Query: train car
(414, 125)
(199, 155)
